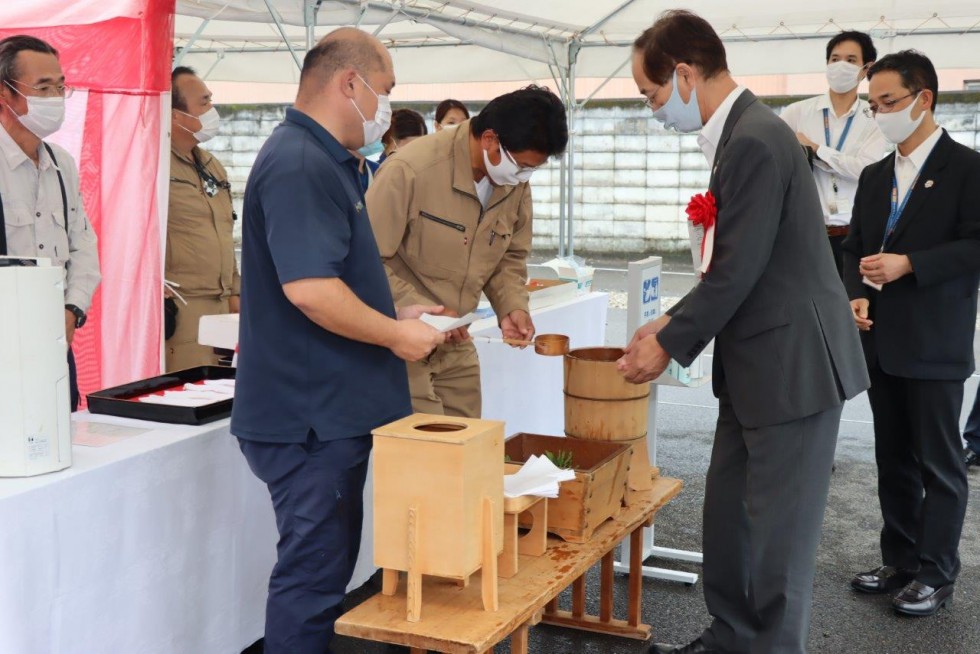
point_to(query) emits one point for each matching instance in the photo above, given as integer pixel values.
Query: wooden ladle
(552, 345)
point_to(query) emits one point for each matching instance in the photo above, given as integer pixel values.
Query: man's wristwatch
(79, 315)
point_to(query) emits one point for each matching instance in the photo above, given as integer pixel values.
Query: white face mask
(896, 126)
(210, 123)
(507, 172)
(375, 128)
(843, 76)
(44, 116)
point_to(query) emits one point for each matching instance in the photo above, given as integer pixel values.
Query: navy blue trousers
(317, 493)
(971, 433)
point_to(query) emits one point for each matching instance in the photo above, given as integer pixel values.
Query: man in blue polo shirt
(322, 348)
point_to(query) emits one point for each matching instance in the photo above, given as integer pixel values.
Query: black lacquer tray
(120, 400)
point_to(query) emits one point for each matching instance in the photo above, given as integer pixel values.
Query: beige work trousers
(182, 349)
(447, 382)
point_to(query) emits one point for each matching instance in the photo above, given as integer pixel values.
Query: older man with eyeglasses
(41, 211)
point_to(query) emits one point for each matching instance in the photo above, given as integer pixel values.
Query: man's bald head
(342, 49)
(344, 78)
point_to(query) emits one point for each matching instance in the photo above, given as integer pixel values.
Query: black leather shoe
(971, 458)
(919, 599)
(881, 580)
(697, 647)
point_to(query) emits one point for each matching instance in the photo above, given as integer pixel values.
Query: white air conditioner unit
(35, 407)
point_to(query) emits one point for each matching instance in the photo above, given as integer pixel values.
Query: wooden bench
(453, 620)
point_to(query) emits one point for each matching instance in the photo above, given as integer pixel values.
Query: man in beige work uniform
(452, 216)
(200, 247)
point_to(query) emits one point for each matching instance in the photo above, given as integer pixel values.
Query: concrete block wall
(632, 179)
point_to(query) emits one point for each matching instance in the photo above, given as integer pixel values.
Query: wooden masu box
(438, 502)
(595, 495)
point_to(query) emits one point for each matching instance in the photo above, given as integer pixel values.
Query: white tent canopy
(509, 40)
(504, 40)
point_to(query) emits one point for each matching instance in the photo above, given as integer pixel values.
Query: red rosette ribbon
(702, 211)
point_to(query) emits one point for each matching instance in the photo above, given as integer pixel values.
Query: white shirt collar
(15, 157)
(918, 156)
(824, 102)
(711, 133)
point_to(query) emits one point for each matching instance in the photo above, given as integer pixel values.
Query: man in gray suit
(787, 352)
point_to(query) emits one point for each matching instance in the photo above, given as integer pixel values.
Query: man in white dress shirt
(838, 135)
(41, 212)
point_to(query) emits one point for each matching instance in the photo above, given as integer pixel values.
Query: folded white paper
(178, 401)
(201, 388)
(220, 383)
(447, 323)
(538, 476)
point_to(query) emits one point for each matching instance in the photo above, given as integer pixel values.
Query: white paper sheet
(538, 476)
(447, 323)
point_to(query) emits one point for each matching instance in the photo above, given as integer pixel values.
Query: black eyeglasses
(887, 105)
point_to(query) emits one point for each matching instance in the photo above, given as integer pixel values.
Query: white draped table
(525, 389)
(164, 540)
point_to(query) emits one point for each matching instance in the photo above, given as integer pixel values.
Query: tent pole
(605, 19)
(183, 51)
(561, 205)
(570, 109)
(605, 81)
(282, 32)
(221, 55)
(309, 20)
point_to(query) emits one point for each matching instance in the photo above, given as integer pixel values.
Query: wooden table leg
(507, 563)
(551, 606)
(578, 597)
(604, 623)
(518, 640)
(636, 576)
(535, 542)
(389, 581)
(606, 588)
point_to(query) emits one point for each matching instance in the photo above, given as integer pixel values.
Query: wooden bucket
(599, 404)
(602, 406)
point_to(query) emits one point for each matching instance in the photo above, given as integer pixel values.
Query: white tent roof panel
(467, 41)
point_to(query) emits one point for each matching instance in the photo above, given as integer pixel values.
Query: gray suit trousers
(764, 503)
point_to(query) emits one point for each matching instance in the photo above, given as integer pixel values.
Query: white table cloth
(525, 389)
(164, 541)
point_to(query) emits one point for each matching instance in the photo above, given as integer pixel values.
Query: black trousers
(971, 433)
(922, 484)
(73, 381)
(835, 247)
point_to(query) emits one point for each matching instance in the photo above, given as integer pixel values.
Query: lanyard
(897, 209)
(826, 129)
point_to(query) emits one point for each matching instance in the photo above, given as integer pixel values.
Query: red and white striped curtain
(117, 54)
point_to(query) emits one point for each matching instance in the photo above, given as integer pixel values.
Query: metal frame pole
(571, 111)
(282, 32)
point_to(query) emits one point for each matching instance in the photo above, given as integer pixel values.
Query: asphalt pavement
(842, 621)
